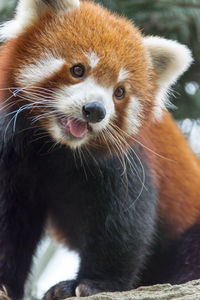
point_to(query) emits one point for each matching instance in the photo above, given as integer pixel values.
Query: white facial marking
(72, 98)
(134, 109)
(70, 101)
(59, 136)
(161, 102)
(133, 116)
(93, 59)
(123, 74)
(40, 70)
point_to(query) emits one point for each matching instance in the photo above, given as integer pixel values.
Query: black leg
(110, 220)
(174, 262)
(184, 257)
(22, 215)
(20, 231)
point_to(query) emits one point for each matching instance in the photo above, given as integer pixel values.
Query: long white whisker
(44, 90)
(123, 143)
(95, 161)
(38, 96)
(17, 112)
(141, 144)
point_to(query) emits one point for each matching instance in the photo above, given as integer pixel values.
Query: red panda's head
(89, 77)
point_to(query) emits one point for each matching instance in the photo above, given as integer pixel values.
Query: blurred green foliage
(6, 9)
(174, 19)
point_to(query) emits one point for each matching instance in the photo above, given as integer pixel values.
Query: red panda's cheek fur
(69, 39)
(134, 112)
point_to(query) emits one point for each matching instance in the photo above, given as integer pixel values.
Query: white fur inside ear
(26, 12)
(62, 5)
(170, 60)
(70, 4)
(29, 10)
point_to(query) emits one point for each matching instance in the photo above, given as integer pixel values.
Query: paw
(62, 290)
(4, 294)
(87, 288)
(84, 290)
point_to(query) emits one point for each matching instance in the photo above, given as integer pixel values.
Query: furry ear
(29, 10)
(62, 5)
(170, 60)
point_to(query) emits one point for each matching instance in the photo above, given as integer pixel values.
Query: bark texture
(187, 291)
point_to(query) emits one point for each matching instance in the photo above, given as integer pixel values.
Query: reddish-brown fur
(175, 169)
(177, 174)
(110, 35)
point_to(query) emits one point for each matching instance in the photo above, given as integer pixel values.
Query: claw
(4, 293)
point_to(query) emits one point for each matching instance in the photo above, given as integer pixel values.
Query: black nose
(94, 112)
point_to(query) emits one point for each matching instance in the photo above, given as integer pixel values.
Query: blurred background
(173, 19)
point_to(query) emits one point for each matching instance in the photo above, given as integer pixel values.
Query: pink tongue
(77, 128)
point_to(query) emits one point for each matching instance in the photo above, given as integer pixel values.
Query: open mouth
(73, 127)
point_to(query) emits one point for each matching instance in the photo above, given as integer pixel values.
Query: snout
(94, 112)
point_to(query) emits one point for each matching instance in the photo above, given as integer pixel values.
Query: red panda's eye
(119, 93)
(77, 71)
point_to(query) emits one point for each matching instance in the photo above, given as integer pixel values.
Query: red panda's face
(89, 75)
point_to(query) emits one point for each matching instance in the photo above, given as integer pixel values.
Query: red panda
(86, 141)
